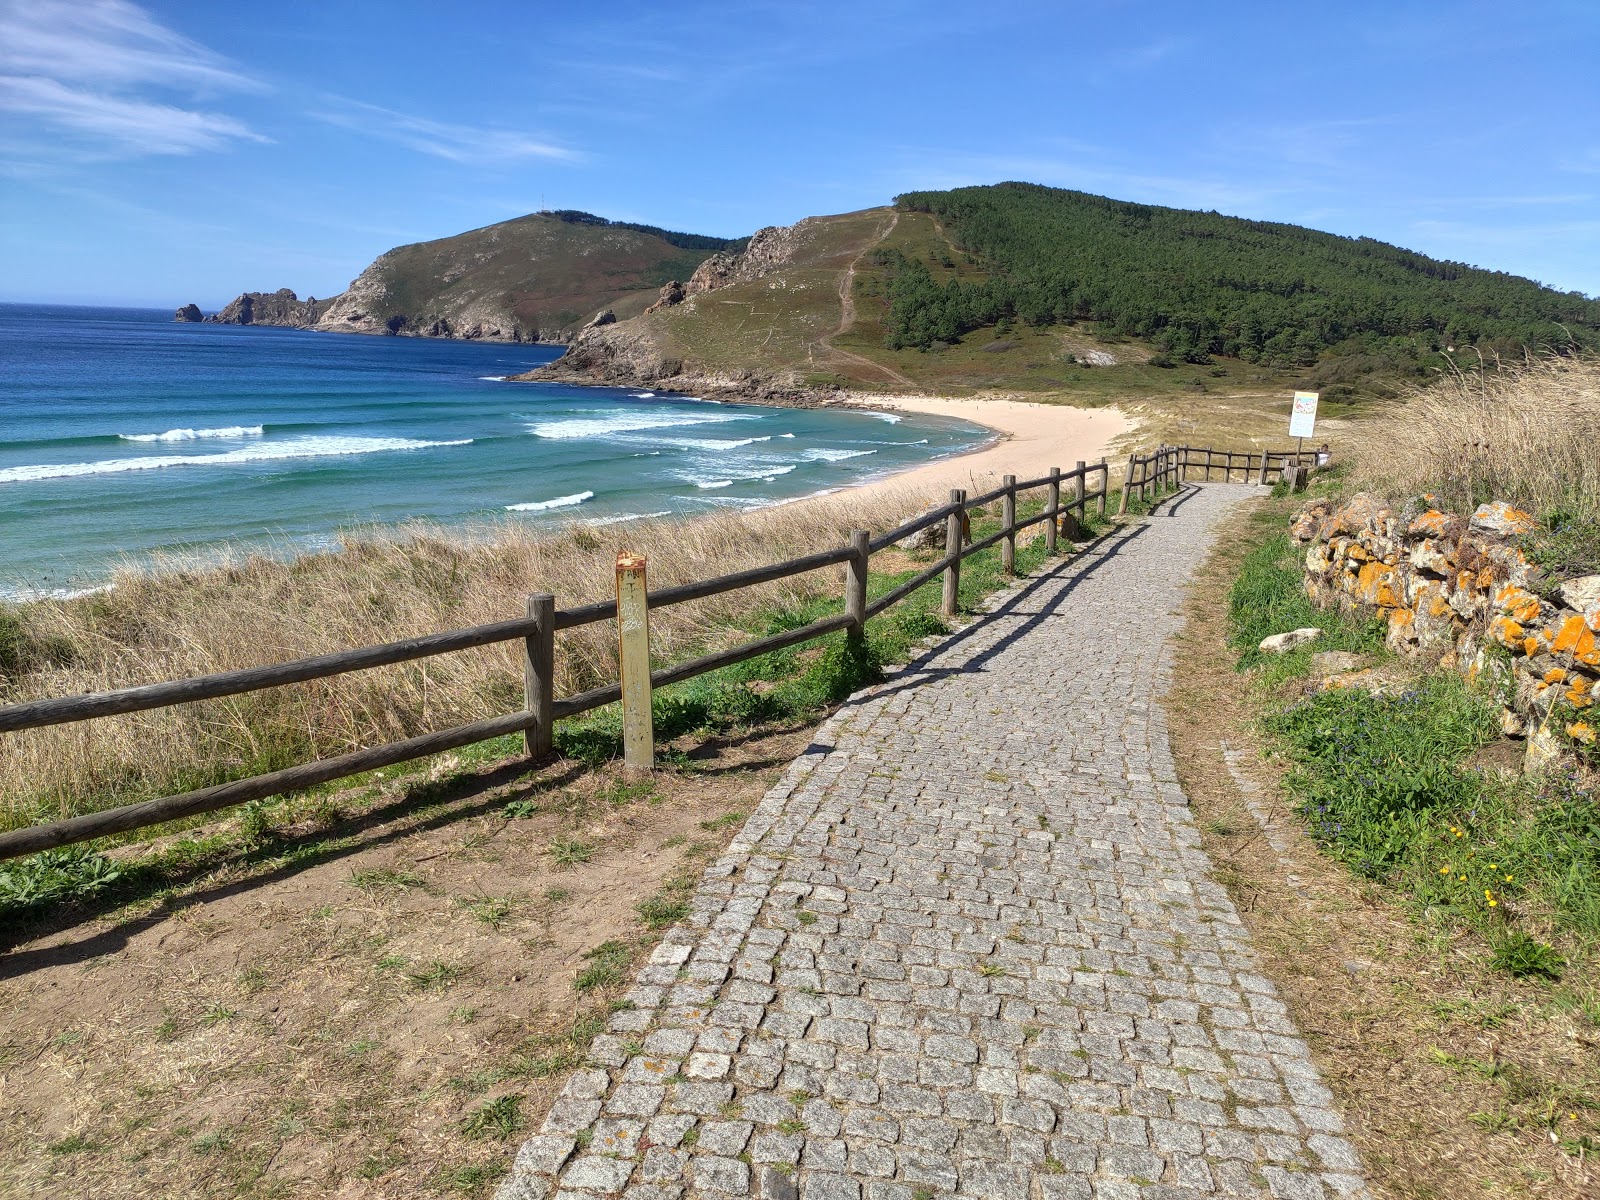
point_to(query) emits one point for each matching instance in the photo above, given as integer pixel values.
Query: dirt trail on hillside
(847, 314)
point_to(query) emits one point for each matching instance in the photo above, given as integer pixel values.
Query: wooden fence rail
(1155, 472)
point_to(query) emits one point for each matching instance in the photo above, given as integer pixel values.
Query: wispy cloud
(113, 79)
(467, 144)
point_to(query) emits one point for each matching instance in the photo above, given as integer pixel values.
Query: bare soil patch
(380, 1010)
(1455, 1080)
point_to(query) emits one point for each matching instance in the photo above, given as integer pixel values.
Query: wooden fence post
(1263, 477)
(1127, 486)
(633, 656)
(952, 554)
(539, 675)
(1080, 480)
(1105, 484)
(1008, 524)
(1054, 508)
(855, 585)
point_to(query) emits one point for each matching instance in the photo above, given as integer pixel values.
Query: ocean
(124, 435)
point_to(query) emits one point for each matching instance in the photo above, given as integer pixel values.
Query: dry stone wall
(1461, 590)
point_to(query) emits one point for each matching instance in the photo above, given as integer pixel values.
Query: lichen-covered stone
(1447, 587)
(1502, 519)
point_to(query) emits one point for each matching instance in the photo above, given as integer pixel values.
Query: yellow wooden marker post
(633, 656)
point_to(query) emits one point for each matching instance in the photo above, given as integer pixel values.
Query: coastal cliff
(281, 307)
(536, 278)
(642, 351)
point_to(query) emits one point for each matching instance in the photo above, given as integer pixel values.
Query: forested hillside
(1198, 283)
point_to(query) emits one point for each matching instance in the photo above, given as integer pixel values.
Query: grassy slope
(786, 324)
(547, 273)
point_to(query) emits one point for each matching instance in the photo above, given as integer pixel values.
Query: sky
(168, 153)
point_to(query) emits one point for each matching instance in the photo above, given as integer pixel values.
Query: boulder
(930, 538)
(1280, 643)
(189, 312)
(1334, 662)
(604, 317)
(1502, 520)
(1581, 594)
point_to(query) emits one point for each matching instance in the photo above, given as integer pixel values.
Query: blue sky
(186, 151)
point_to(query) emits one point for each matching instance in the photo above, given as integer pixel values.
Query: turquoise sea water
(123, 433)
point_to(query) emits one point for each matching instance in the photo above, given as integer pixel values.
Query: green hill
(1022, 287)
(534, 278)
(1197, 284)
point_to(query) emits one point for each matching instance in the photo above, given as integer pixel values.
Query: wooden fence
(1156, 473)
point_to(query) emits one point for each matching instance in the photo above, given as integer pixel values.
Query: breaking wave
(189, 435)
(558, 502)
(591, 427)
(306, 447)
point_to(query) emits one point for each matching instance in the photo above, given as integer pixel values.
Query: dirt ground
(378, 1011)
(1456, 1081)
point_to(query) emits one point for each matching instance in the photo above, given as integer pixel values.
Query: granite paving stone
(969, 946)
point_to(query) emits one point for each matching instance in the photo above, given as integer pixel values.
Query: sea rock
(604, 317)
(190, 313)
(281, 307)
(1502, 519)
(1280, 643)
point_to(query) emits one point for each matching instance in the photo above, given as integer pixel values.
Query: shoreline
(1028, 439)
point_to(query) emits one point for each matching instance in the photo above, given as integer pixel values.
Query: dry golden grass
(1527, 433)
(169, 625)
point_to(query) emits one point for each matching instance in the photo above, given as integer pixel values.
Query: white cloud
(102, 71)
(457, 143)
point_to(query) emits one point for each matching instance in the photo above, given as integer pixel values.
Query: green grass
(608, 964)
(1385, 786)
(1268, 598)
(499, 1118)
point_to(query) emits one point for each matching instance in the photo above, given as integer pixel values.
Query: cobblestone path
(969, 946)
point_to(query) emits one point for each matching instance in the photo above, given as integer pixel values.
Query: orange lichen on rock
(1507, 632)
(1581, 731)
(1520, 603)
(1432, 523)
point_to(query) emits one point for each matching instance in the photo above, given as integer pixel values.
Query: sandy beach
(1032, 438)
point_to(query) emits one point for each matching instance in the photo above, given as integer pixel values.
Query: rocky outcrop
(530, 279)
(190, 313)
(281, 307)
(1460, 589)
(628, 353)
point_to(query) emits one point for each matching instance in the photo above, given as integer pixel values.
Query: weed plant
(1385, 785)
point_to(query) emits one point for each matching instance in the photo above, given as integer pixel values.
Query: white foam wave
(617, 520)
(590, 427)
(23, 595)
(821, 455)
(765, 474)
(306, 447)
(558, 502)
(712, 443)
(787, 435)
(889, 417)
(492, 378)
(189, 435)
(644, 395)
